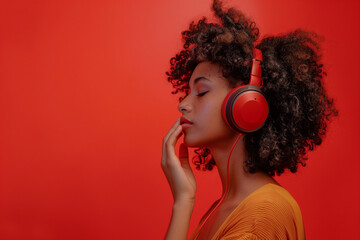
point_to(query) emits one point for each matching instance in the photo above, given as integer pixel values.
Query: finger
(169, 156)
(165, 139)
(184, 160)
(170, 144)
(183, 154)
(172, 129)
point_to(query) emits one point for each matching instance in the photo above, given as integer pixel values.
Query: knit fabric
(269, 212)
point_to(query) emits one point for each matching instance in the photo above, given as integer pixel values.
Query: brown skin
(208, 128)
(300, 109)
(182, 183)
(293, 84)
(216, 136)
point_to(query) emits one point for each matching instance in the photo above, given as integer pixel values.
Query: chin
(192, 142)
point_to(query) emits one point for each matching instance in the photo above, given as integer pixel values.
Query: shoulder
(268, 213)
(272, 204)
(270, 198)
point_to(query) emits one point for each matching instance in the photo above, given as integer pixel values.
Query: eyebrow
(200, 78)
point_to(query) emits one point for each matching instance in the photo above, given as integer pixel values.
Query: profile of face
(202, 106)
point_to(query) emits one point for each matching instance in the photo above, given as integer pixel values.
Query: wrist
(180, 220)
(183, 204)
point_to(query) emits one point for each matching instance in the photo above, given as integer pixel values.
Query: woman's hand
(182, 183)
(177, 170)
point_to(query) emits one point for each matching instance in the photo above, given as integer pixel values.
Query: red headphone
(245, 108)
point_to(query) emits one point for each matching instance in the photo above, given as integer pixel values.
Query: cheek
(206, 111)
(210, 118)
(211, 111)
(210, 126)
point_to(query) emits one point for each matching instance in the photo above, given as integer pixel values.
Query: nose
(184, 106)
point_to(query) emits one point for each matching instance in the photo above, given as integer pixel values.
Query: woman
(218, 58)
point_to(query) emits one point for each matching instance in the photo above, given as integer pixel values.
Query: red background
(84, 105)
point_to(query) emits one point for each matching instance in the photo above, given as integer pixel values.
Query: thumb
(184, 155)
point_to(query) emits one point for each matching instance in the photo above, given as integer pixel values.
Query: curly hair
(292, 83)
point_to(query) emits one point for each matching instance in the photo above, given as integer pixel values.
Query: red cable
(226, 189)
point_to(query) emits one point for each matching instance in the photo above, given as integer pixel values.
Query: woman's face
(202, 107)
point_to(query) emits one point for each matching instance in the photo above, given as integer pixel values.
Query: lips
(184, 121)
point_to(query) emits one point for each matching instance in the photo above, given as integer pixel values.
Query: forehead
(209, 70)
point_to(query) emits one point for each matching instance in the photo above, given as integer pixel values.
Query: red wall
(84, 104)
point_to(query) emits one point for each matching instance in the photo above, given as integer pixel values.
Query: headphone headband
(245, 108)
(255, 77)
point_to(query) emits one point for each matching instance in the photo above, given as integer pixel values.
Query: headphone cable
(226, 189)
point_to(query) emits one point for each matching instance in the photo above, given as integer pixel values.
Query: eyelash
(202, 94)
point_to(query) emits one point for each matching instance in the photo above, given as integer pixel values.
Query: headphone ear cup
(245, 109)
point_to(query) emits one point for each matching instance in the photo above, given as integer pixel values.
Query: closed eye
(202, 94)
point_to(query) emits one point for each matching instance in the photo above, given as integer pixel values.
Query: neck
(241, 183)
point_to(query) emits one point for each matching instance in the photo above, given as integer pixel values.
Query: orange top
(270, 212)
